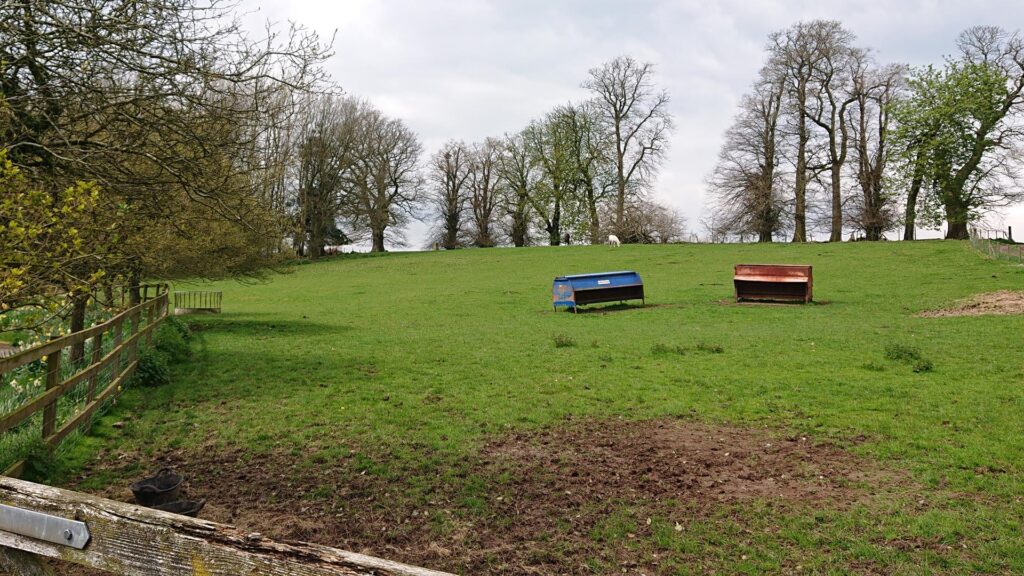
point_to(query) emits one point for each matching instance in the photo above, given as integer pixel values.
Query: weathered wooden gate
(126, 539)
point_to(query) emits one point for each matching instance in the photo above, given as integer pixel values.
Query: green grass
(414, 360)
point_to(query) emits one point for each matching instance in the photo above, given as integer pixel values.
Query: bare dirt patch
(684, 461)
(1003, 302)
(532, 502)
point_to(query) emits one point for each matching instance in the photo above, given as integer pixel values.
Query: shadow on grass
(621, 307)
(270, 324)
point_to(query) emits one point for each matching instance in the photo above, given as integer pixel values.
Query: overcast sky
(468, 69)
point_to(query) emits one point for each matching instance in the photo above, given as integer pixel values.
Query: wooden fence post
(97, 355)
(115, 363)
(52, 381)
(150, 318)
(133, 350)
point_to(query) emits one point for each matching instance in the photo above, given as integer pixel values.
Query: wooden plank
(20, 563)
(135, 541)
(15, 470)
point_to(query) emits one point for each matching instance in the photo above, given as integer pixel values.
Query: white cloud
(468, 69)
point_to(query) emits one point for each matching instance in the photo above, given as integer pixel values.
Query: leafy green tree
(960, 130)
(44, 244)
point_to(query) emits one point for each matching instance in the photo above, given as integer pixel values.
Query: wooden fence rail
(134, 541)
(139, 321)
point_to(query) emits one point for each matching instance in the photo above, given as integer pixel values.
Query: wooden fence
(131, 540)
(113, 347)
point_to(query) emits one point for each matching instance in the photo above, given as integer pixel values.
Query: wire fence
(997, 245)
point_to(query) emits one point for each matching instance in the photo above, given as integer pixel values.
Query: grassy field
(369, 402)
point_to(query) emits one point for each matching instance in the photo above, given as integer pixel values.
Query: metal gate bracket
(43, 527)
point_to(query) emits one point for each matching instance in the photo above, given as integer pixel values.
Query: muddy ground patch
(1003, 302)
(581, 497)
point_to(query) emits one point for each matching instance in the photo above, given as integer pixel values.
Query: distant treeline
(829, 139)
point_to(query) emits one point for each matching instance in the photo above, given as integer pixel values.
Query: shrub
(172, 342)
(923, 365)
(41, 464)
(180, 326)
(710, 348)
(658, 349)
(564, 341)
(153, 369)
(909, 355)
(902, 353)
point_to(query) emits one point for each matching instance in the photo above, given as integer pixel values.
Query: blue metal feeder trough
(583, 289)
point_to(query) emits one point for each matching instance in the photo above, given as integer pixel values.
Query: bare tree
(326, 157)
(649, 222)
(449, 171)
(594, 173)
(485, 190)
(876, 91)
(549, 142)
(794, 52)
(832, 77)
(637, 118)
(669, 225)
(519, 171)
(746, 181)
(386, 189)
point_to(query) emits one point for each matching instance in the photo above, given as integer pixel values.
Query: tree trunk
(316, 240)
(451, 234)
(78, 308)
(377, 235)
(956, 219)
(555, 225)
(134, 297)
(910, 220)
(800, 212)
(519, 226)
(595, 221)
(957, 231)
(837, 203)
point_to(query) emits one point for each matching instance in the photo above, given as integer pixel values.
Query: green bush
(180, 326)
(902, 353)
(564, 341)
(909, 355)
(41, 464)
(710, 348)
(172, 341)
(153, 369)
(659, 349)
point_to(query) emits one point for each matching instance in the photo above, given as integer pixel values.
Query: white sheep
(613, 240)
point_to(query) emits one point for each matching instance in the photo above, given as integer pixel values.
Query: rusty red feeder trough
(773, 282)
